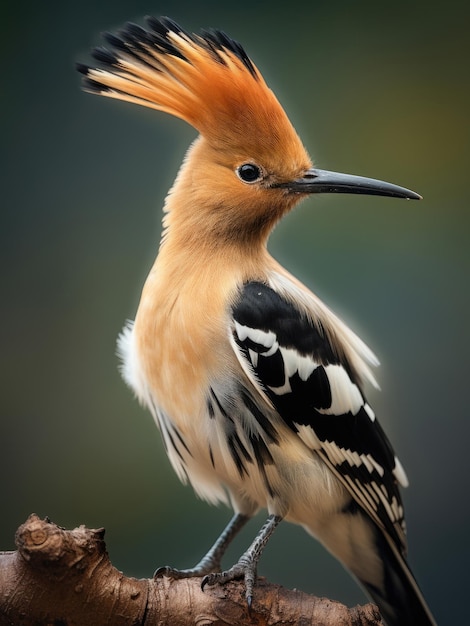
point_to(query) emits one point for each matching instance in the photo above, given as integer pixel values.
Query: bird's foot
(210, 563)
(245, 568)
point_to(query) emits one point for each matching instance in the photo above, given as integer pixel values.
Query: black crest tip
(104, 56)
(82, 68)
(164, 25)
(218, 40)
(116, 42)
(135, 30)
(91, 86)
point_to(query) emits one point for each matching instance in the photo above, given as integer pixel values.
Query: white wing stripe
(345, 395)
(266, 339)
(291, 361)
(369, 412)
(400, 473)
(253, 357)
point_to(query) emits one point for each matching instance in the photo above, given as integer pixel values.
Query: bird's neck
(197, 239)
(196, 260)
(185, 256)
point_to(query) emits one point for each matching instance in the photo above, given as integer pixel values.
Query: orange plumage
(256, 386)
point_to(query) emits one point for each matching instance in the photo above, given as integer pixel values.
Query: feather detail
(315, 388)
(207, 80)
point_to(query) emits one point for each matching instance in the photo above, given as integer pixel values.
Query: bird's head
(248, 167)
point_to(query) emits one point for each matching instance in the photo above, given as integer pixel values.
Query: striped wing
(319, 397)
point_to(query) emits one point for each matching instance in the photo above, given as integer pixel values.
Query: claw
(169, 572)
(177, 574)
(162, 571)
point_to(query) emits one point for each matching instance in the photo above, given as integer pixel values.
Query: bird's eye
(249, 173)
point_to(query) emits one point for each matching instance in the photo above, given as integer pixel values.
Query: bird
(257, 387)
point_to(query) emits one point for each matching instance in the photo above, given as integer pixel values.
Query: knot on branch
(49, 545)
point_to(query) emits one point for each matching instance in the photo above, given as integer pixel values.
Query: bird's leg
(247, 564)
(211, 561)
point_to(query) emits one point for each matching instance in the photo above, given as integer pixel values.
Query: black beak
(321, 181)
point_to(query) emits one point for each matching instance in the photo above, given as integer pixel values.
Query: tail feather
(378, 565)
(397, 593)
(399, 598)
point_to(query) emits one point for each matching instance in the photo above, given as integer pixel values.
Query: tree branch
(64, 577)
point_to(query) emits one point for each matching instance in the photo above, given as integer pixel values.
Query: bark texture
(61, 577)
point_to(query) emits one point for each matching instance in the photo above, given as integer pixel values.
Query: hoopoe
(256, 386)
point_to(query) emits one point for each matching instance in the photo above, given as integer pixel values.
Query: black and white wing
(315, 389)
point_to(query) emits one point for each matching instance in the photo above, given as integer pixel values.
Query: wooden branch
(64, 577)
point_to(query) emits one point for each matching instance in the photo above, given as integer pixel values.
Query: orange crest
(207, 80)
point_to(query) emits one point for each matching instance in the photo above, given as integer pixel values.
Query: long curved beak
(322, 181)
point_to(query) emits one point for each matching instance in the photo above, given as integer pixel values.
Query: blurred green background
(379, 89)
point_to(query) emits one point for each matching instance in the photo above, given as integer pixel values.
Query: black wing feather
(272, 335)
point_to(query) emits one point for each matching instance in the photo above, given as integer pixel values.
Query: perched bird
(256, 386)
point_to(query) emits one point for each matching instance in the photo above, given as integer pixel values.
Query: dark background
(379, 89)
